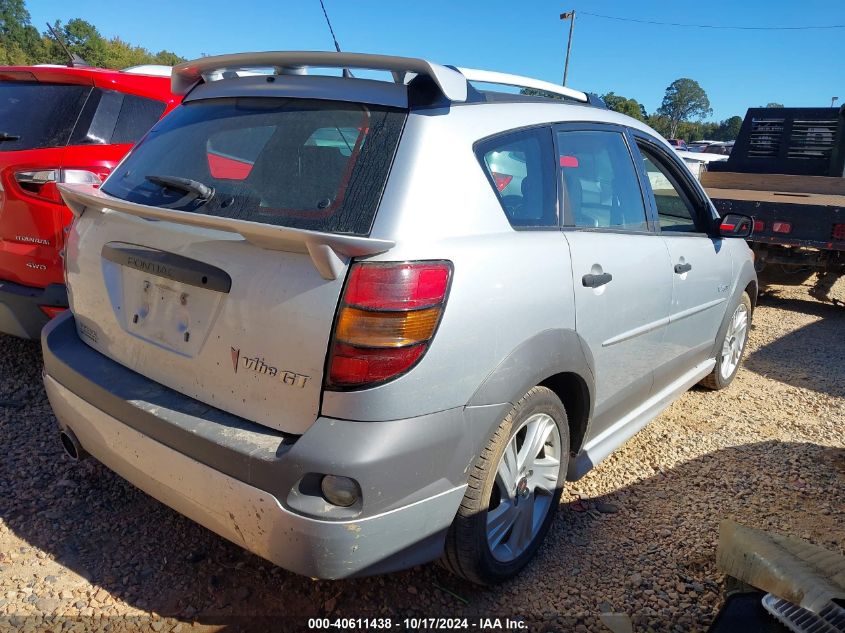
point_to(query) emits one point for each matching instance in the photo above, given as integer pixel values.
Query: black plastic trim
(168, 265)
(23, 304)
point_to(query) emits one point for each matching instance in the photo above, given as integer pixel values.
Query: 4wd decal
(257, 365)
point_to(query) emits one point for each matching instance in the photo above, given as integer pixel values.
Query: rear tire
(511, 500)
(731, 347)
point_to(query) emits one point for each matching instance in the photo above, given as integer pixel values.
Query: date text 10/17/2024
(419, 624)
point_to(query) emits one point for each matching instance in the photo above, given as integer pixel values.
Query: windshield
(37, 115)
(299, 163)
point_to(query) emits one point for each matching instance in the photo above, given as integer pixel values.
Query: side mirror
(736, 225)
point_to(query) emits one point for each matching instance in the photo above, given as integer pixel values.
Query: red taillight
(357, 366)
(781, 227)
(396, 287)
(501, 180)
(52, 311)
(839, 231)
(569, 161)
(759, 226)
(386, 319)
(43, 183)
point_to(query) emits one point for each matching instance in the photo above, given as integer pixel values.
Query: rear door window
(520, 168)
(39, 114)
(300, 163)
(599, 181)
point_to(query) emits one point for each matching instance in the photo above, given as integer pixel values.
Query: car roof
(143, 85)
(286, 75)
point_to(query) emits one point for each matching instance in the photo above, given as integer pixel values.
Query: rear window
(310, 164)
(40, 114)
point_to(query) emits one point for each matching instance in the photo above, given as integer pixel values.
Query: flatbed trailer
(787, 171)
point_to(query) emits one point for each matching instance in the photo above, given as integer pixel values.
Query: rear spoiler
(327, 250)
(451, 83)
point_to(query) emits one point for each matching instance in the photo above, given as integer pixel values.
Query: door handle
(594, 281)
(680, 269)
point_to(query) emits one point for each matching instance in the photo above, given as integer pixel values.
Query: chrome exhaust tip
(71, 445)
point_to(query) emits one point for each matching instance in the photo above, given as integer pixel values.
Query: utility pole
(569, 15)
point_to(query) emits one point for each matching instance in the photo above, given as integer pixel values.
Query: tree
(631, 107)
(19, 40)
(728, 129)
(83, 39)
(684, 100)
(774, 104)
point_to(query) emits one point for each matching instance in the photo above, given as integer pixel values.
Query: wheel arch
(573, 391)
(746, 282)
(557, 359)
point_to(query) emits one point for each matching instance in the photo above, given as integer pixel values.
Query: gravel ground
(77, 541)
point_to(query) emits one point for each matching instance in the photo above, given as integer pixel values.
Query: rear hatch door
(36, 121)
(213, 258)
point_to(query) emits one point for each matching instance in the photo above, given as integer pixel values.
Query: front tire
(513, 492)
(732, 347)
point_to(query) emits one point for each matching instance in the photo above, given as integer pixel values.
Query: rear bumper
(812, 224)
(244, 481)
(20, 312)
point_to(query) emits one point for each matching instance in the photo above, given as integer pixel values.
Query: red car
(59, 124)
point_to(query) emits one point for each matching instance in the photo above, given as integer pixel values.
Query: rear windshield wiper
(195, 189)
(4, 136)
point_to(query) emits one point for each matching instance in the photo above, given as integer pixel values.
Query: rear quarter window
(112, 117)
(520, 168)
(300, 163)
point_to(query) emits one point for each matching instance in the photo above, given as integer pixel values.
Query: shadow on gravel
(810, 357)
(652, 559)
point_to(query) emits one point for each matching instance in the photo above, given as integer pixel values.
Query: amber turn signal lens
(386, 329)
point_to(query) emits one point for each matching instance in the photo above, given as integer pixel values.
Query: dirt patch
(78, 541)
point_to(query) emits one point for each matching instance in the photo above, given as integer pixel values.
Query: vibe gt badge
(257, 365)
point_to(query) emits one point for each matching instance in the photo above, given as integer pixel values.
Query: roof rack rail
(185, 76)
(505, 79)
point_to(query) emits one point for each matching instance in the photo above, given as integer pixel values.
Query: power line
(714, 26)
(331, 30)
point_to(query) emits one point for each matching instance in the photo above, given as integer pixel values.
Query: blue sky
(738, 69)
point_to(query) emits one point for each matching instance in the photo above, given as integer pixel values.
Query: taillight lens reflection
(501, 180)
(387, 317)
(52, 311)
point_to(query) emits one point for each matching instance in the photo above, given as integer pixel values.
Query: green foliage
(689, 131)
(83, 39)
(684, 100)
(21, 43)
(729, 129)
(631, 107)
(19, 40)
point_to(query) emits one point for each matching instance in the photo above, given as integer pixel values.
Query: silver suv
(357, 325)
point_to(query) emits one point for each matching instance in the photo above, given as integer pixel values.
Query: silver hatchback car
(357, 325)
